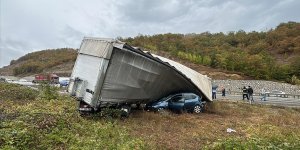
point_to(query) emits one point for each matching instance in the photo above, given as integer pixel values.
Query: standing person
(250, 93)
(245, 93)
(263, 94)
(214, 91)
(223, 92)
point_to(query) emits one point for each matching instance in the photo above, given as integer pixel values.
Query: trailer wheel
(138, 106)
(125, 111)
(84, 113)
(85, 109)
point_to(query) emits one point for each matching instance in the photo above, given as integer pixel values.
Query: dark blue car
(178, 102)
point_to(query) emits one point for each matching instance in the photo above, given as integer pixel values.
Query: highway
(277, 101)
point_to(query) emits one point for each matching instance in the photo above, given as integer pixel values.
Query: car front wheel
(160, 109)
(197, 109)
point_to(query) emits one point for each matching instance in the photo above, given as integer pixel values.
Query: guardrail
(296, 96)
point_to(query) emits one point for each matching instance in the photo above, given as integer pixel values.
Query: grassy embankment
(32, 120)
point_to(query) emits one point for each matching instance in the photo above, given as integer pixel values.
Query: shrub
(295, 80)
(48, 91)
(111, 113)
(190, 57)
(16, 92)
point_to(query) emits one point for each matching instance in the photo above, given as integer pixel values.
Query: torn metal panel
(98, 47)
(132, 77)
(114, 73)
(201, 81)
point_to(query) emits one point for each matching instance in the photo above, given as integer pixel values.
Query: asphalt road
(278, 101)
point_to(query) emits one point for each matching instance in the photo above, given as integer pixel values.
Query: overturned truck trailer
(110, 73)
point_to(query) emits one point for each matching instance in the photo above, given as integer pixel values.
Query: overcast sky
(31, 25)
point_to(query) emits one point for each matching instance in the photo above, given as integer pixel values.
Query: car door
(189, 101)
(176, 103)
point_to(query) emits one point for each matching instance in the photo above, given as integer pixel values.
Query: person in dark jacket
(223, 92)
(245, 93)
(250, 94)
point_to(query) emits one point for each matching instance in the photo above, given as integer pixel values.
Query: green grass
(36, 122)
(55, 124)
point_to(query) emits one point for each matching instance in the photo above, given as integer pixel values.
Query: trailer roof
(201, 81)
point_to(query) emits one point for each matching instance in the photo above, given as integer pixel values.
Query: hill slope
(53, 60)
(271, 55)
(274, 54)
(61, 62)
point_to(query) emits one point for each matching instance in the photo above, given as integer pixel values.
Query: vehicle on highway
(46, 78)
(64, 83)
(3, 80)
(178, 103)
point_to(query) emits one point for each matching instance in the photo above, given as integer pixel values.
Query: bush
(17, 92)
(111, 113)
(48, 91)
(295, 80)
(190, 57)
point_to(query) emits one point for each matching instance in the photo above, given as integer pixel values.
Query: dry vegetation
(56, 124)
(274, 54)
(256, 127)
(51, 60)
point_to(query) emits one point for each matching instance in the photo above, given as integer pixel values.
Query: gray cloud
(31, 25)
(154, 11)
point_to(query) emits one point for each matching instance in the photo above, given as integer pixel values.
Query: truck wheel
(138, 106)
(125, 111)
(84, 113)
(84, 108)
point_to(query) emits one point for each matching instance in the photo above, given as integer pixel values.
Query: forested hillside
(42, 61)
(274, 54)
(271, 55)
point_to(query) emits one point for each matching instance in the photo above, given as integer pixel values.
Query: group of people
(248, 93)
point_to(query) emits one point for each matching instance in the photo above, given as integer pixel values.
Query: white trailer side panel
(89, 69)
